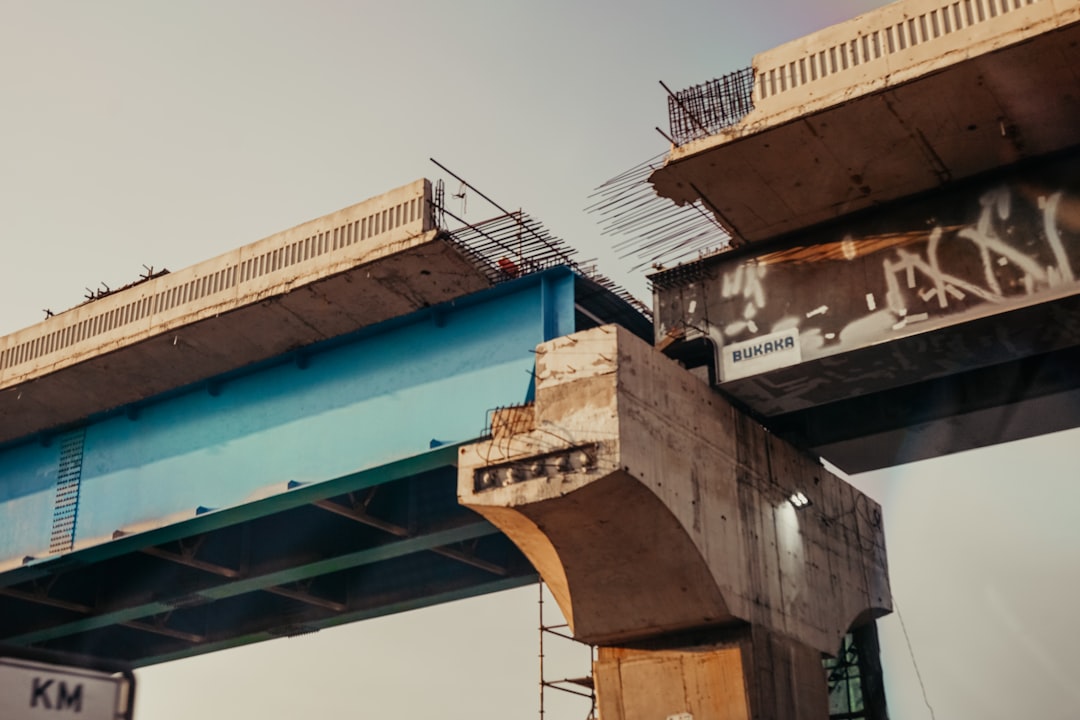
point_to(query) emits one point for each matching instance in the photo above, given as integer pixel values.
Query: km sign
(31, 690)
(62, 697)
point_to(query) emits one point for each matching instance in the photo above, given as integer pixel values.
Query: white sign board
(32, 690)
(761, 354)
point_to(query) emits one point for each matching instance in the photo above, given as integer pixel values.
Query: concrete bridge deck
(900, 100)
(902, 195)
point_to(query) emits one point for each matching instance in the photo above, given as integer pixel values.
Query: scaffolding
(582, 687)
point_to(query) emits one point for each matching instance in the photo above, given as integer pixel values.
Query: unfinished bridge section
(902, 196)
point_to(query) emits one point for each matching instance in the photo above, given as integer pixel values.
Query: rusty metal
(41, 597)
(710, 107)
(188, 559)
(509, 246)
(307, 597)
(470, 559)
(675, 101)
(514, 243)
(583, 687)
(163, 630)
(358, 514)
(651, 228)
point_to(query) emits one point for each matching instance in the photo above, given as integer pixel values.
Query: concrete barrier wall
(880, 49)
(270, 266)
(893, 44)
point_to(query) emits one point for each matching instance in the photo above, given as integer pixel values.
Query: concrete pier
(656, 512)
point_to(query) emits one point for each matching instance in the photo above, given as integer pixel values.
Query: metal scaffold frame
(582, 686)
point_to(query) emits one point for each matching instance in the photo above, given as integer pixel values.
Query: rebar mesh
(511, 245)
(710, 107)
(652, 228)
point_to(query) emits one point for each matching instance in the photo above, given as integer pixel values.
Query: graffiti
(910, 264)
(1012, 248)
(994, 254)
(932, 261)
(745, 282)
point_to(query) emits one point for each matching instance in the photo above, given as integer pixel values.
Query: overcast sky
(158, 133)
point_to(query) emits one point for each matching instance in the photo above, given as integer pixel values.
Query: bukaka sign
(767, 352)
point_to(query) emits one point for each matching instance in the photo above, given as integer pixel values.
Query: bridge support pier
(677, 534)
(741, 674)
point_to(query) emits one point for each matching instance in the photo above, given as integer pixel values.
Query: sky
(160, 134)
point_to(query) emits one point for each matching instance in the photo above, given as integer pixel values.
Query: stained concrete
(747, 673)
(651, 506)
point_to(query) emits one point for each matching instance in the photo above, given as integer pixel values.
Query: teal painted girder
(355, 403)
(238, 473)
(208, 522)
(213, 591)
(357, 570)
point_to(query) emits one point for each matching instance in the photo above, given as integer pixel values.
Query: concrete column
(739, 674)
(653, 509)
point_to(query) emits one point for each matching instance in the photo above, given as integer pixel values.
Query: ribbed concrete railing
(887, 46)
(901, 34)
(303, 253)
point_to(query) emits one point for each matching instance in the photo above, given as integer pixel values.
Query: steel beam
(473, 529)
(306, 597)
(44, 599)
(191, 561)
(392, 608)
(295, 496)
(164, 631)
(361, 516)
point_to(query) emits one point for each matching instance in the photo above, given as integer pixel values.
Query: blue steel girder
(213, 580)
(284, 497)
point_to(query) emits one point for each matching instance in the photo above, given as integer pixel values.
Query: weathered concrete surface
(939, 324)
(750, 673)
(894, 102)
(651, 506)
(373, 261)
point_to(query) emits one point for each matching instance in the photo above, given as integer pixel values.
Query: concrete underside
(935, 325)
(422, 271)
(652, 507)
(965, 118)
(1025, 397)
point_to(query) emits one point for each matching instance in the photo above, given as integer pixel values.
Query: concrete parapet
(888, 46)
(317, 250)
(651, 505)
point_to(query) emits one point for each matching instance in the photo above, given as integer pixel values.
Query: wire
(911, 652)
(649, 227)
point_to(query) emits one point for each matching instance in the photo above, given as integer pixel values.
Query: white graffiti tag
(994, 252)
(745, 280)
